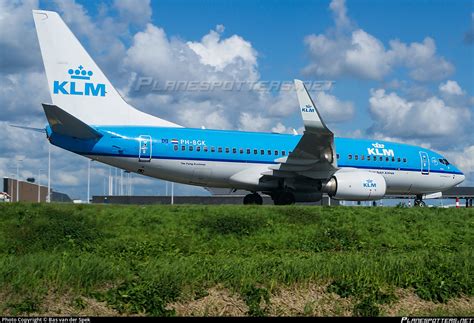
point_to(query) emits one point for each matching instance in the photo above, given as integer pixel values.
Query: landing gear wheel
(284, 198)
(253, 198)
(419, 201)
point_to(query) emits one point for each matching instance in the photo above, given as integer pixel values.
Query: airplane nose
(459, 179)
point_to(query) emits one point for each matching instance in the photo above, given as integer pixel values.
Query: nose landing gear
(419, 201)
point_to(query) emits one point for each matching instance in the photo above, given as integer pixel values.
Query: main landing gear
(283, 198)
(253, 198)
(279, 198)
(419, 201)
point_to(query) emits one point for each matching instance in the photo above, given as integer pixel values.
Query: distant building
(28, 192)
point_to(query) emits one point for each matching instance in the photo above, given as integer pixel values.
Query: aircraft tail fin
(77, 84)
(65, 124)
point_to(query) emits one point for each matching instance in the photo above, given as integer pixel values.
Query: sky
(387, 70)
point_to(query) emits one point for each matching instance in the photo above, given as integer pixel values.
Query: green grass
(139, 259)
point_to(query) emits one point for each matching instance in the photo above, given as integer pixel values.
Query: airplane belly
(204, 173)
(410, 182)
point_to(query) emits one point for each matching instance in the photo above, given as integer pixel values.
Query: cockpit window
(444, 161)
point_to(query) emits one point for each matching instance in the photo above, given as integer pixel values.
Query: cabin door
(425, 163)
(144, 149)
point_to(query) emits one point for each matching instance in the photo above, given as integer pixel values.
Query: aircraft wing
(314, 155)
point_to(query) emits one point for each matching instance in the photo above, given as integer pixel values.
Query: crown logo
(308, 106)
(80, 73)
(377, 145)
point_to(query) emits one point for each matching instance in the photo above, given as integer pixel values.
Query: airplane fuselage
(212, 157)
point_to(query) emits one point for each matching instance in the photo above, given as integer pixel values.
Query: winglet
(311, 117)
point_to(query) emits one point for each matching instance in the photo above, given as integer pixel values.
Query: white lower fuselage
(219, 174)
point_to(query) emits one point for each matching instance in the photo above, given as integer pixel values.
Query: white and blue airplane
(89, 117)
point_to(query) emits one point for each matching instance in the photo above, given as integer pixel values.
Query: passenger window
(198, 148)
(234, 150)
(262, 152)
(205, 149)
(269, 152)
(213, 149)
(248, 151)
(404, 160)
(227, 150)
(283, 153)
(255, 151)
(276, 152)
(219, 149)
(356, 157)
(362, 157)
(191, 148)
(350, 156)
(398, 159)
(381, 158)
(241, 150)
(368, 157)
(386, 159)
(175, 148)
(393, 159)
(337, 156)
(183, 147)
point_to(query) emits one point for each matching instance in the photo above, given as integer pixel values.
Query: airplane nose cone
(459, 179)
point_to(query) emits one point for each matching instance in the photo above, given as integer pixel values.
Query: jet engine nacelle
(356, 186)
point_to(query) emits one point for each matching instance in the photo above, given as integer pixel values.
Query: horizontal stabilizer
(42, 130)
(65, 124)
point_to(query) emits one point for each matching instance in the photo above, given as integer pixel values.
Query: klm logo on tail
(79, 88)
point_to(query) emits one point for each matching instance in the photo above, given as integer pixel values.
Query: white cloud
(220, 53)
(339, 10)
(398, 117)
(280, 128)
(366, 56)
(251, 122)
(332, 109)
(421, 59)
(352, 51)
(451, 87)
